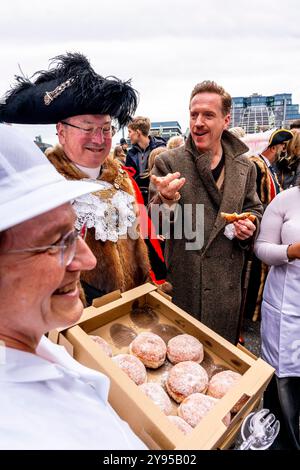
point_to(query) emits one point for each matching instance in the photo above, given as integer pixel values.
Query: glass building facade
(165, 129)
(258, 113)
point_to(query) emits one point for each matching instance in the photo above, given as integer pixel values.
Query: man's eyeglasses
(91, 131)
(66, 246)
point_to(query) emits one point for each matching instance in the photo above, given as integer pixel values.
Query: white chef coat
(50, 401)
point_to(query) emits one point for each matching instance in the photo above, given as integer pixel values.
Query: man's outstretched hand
(169, 185)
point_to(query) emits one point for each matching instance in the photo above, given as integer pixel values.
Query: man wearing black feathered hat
(83, 104)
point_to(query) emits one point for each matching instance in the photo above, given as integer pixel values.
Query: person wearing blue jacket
(138, 155)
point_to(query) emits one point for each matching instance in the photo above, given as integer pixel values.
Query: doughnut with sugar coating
(196, 406)
(150, 349)
(132, 366)
(221, 383)
(157, 394)
(182, 425)
(103, 344)
(184, 348)
(186, 378)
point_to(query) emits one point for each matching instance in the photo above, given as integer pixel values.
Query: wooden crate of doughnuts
(146, 310)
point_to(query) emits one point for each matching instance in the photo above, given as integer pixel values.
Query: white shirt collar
(91, 172)
(50, 362)
(266, 160)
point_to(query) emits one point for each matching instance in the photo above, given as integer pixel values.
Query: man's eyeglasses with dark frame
(105, 130)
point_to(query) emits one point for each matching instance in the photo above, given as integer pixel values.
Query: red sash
(272, 187)
(146, 225)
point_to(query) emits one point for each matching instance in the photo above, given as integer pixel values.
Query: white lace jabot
(111, 214)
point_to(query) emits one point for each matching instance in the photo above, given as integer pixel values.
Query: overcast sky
(165, 46)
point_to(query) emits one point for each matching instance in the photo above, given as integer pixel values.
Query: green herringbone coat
(207, 281)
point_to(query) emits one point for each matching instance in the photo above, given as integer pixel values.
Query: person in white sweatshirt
(278, 245)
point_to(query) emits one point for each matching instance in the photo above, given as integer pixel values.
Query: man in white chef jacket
(47, 399)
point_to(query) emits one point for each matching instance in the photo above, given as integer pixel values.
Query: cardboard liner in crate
(145, 309)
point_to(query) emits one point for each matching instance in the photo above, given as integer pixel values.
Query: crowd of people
(48, 272)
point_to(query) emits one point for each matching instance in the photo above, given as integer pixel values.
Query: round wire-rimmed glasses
(106, 130)
(66, 246)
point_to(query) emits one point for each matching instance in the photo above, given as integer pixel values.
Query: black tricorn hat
(280, 136)
(69, 88)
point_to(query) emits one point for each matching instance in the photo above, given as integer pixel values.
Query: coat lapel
(234, 185)
(202, 162)
(228, 200)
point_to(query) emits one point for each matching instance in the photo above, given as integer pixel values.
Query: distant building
(259, 113)
(165, 129)
(42, 145)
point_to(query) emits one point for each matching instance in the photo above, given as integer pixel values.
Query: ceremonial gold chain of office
(110, 192)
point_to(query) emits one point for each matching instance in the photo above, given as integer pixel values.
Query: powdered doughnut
(196, 406)
(132, 366)
(186, 378)
(150, 349)
(157, 394)
(181, 424)
(221, 383)
(184, 348)
(103, 345)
